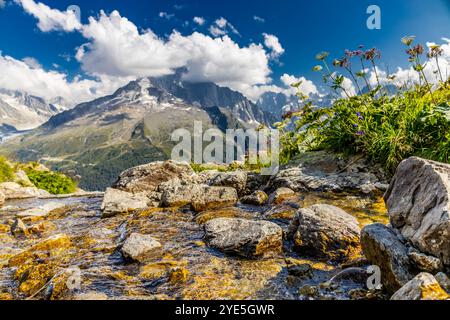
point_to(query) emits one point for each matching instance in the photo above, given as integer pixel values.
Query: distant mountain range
(100, 138)
(21, 111)
(278, 104)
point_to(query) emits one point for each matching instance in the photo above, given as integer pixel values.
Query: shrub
(54, 183)
(6, 172)
(383, 126)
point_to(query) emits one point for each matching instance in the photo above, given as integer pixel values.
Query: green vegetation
(39, 176)
(54, 183)
(386, 127)
(6, 172)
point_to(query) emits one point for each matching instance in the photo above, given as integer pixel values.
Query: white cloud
(259, 19)
(166, 15)
(199, 20)
(2, 4)
(18, 75)
(273, 43)
(306, 87)
(117, 49)
(32, 63)
(50, 19)
(221, 27)
(349, 88)
(408, 76)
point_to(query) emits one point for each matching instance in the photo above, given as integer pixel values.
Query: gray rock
(178, 195)
(2, 198)
(147, 178)
(13, 190)
(383, 248)
(22, 179)
(234, 179)
(117, 201)
(281, 194)
(200, 197)
(326, 232)
(444, 281)
(425, 262)
(242, 237)
(322, 171)
(257, 198)
(422, 287)
(137, 246)
(419, 206)
(214, 197)
(41, 211)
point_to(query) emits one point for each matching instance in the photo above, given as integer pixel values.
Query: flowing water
(185, 268)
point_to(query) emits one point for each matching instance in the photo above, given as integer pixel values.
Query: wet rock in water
(285, 211)
(234, 179)
(298, 269)
(418, 202)
(425, 262)
(117, 201)
(257, 198)
(242, 237)
(280, 195)
(38, 264)
(200, 197)
(444, 281)
(422, 287)
(13, 190)
(153, 271)
(309, 291)
(19, 229)
(148, 177)
(41, 211)
(178, 275)
(382, 247)
(325, 232)
(137, 246)
(53, 246)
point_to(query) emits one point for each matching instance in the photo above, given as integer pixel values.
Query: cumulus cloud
(306, 87)
(259, 19)
(32, 63)
(50, 19)
(117, 49)
(273, 43)
(19, 75)
(199, 20)
(221, 27)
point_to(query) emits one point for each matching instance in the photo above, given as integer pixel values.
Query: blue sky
(302, 27)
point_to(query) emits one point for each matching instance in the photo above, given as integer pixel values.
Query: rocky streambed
(165, 232)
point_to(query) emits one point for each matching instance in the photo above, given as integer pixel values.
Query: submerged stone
(242, 237)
